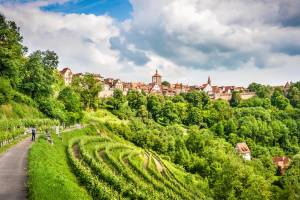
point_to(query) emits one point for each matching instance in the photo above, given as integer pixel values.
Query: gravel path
(13, 169)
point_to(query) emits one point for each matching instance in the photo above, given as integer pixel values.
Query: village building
(156, 86)
(243, 150)
(207, 87)
(67, 75)
(282, 162)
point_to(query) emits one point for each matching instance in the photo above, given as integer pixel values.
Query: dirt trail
(159, 165)
(13, 171)
(146, 160)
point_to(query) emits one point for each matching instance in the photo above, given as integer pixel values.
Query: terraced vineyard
(110, 168)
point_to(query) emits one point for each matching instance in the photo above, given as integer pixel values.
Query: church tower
(209, 81)
(156, 78)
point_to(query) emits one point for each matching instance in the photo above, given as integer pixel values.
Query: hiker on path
(33, 133)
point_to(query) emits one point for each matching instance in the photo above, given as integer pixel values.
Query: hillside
(116, 169)
(16, 118)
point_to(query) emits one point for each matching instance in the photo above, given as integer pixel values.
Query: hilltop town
(158, 86)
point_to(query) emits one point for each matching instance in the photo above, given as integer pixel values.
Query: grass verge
(50, 176)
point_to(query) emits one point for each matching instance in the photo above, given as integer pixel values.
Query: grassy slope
(19, 111)
(102, 115)
(14, 111)
(49, 174)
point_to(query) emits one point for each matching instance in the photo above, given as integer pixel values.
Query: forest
(194, 133)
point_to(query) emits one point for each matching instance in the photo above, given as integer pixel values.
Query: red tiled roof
(242, 147)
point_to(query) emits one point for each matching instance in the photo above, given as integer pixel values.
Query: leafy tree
(279, 100)
(261, 91)
(136, 99)
(294, 96)
(142, 112)
(197, 99)
(154, 106)
(256, 102)
(194, 117)
(52, 108)
(178, 98)
(291, 180)
(235, 99)
(72, 104)
(169, 113)
(11, 51)
(88, 88)
(38, 77)
(165, 83)
(119, 99)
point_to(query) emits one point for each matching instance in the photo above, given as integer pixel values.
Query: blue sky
(119, 9)
(235, 42)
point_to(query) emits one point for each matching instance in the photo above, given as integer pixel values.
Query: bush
(52, 108)
(22, 98)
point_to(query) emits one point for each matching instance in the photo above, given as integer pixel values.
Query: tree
(88, 88)
(70, 99)
(261, 91)
(72, 104)
(294, 96)
(154, 106)
(142, 112)
(136, 99)
(194, 117)
(280, 101)
(119, 99)
(11, 51)
(291, 180)
(197, 99)
(235, 99)
(169, 113)
(38, 77)
(165, 83)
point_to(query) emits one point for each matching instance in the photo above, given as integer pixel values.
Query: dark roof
(64, 70)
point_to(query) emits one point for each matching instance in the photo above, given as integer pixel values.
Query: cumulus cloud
(81, 41)
(205, 34)
(138, 57)
(235, 41)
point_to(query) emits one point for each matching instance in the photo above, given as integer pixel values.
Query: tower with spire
(156, 79)
(209, 81)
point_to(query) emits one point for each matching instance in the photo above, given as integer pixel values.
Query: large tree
(88, 88)
(235, 99)
(11, 51)
(38, 74)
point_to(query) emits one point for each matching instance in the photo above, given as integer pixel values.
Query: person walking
(33, 133)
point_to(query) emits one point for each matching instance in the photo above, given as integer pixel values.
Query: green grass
(94, 164)
(50, 176)
(102, 116)
(15, 110)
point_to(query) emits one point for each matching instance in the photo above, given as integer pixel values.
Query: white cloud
(236, 41)
(81, 41)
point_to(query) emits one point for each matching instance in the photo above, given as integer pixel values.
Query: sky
(236, 42)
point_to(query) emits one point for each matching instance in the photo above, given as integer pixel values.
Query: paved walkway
(13, 169)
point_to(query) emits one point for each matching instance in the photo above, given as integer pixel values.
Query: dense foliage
(200, 135)
(34, 80)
